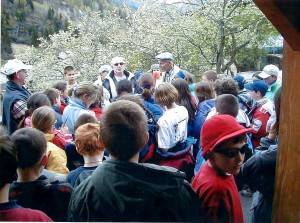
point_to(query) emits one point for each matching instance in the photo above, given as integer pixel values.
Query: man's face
(70, 76)
(119, 68)
(22, 76)
(270, 80)
(230, 165)
(165, 65)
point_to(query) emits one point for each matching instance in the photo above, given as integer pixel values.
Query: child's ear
(44, 160)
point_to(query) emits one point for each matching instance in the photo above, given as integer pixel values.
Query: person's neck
(28, 174)
(134, 159)
(173, 105)
(18, 83)
(4, 192)
(118, 73)
(90, 161)
(71, 82)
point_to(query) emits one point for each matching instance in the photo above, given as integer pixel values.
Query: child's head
(97, 103)
(31, 145)
(123, 129)
(43, 119)
(84, 119)
(54, 96)
(165, 94)
(226, 86)
(258, 89)
(87, 92)
(223, 141)
(146, 82)
(69, 73)
(87, 139)
(227, 104)
(37, 100)
(62, 87)
(204, 91)
(8, 159)
(209, 76)
(124, 87)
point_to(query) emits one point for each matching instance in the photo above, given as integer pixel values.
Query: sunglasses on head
(232, 152)
(117, 64)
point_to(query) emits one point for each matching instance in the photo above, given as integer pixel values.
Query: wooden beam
(285, 16)
(286, 205)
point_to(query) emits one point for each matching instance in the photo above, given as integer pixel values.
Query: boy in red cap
(224, 145)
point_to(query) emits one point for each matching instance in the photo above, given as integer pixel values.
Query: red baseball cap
(219, 128)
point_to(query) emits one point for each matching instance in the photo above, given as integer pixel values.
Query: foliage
(212, 34)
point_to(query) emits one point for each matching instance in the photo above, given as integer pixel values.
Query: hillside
(24, 21)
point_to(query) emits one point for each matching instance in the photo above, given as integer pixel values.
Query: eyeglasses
(117, 64)
(232, 152)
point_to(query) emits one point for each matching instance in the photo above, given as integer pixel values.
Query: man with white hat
(167, 65)
(117, 74)
(269, 75)
(15, 95)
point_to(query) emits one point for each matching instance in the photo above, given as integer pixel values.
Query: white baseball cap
(13, 66)
(117, 60)
(269, 70)
(106, 68)
(165, 56)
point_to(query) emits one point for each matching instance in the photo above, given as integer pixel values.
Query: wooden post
(286, 205)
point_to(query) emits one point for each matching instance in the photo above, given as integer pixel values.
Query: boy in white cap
(15, 95)
(167, 65)
(269, 75)
(224, 149)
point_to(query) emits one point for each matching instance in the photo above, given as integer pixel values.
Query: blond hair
(43, 118)
(165, 94)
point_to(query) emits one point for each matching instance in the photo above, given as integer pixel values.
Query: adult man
(269, 75)
(118, 73)
(15, 95)
(121, 189)
(167, 65)
(70, 77)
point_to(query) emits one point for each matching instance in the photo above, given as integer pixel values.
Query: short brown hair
(123, 128)
(165, 94)
(67, 69)
(210, 75)
(226, 86)
(227, 104)
(87, 139)
(204, 91)
(52, 94)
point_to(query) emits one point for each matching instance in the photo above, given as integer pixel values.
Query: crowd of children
(84, 151)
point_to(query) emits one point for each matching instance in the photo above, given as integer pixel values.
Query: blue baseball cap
(240, 80)
(259, 85)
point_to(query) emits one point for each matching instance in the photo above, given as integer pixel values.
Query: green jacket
(272, 91)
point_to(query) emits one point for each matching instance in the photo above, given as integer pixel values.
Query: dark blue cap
(259, 85)
(181, 74)
(240, 80)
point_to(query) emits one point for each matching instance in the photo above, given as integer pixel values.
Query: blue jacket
(74, 109)
(13, 93)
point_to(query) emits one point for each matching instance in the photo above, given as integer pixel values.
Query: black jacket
(122, 191)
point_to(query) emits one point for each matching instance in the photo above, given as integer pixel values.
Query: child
(121, 189)
(33, 190)
(84, 94)
(88, 145)
(223, 141)
(43, 119)
(54, 97)
(262, 110)
(9, 210)
(64, 99)
(173, 146)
